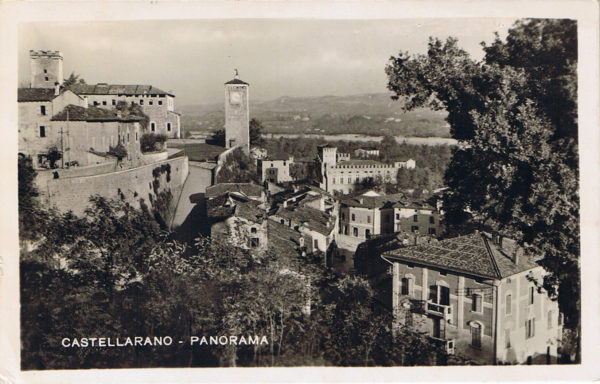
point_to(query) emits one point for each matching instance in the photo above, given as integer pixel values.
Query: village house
(479, 296)
(318, 225)
(275, 168)
(372, 214)
(239, 221)
(342, 174)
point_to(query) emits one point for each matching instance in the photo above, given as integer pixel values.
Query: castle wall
(73, 193)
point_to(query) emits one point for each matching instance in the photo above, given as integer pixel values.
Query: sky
(193, 58)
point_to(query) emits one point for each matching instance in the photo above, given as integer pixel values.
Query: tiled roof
(77, 113)
(246, 189)
(312, 218)
(35, 94)
(396, 200)
(236, 81)
(472, 254)
(283, 240)
(228, 205)
(117, 89)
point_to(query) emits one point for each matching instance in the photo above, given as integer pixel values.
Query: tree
(256, 129)
(515, 115)
(237, 168)
(218, 137)
(72, 80)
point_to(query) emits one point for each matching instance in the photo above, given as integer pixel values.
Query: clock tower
(237, 114)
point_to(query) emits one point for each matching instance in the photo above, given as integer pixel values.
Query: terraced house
(479, 296)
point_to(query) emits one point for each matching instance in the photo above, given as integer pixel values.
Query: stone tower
(237, 114)
(46, 68)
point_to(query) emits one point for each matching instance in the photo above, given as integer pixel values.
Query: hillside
(372, 114)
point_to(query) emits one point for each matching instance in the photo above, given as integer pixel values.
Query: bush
(152, 142)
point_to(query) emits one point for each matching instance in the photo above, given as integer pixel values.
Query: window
(353, 217)
(531, 295)
(128, 137)
(367, 232)
(333, 180)
(153, 126)
(530, 328)
(159, 102)
(439, 294)
(397, 216)
(150, 102)
(169, 128)
(42, 131)
(355, 231)
(550, 319)
(46, 78)
(431, 220)
(507, 338)
(414, 228)
(95, 103)
(43, 109)
(141, 101)
(416, 218)
(114, 102)
(136, 136)
(45, 71)
(369, 219)
(315, 243)
(477, 303)
(431, 231)
(408, 284)
(476, 335)
(254, 242)
(253, 230)
(104, 102)
(508, 304)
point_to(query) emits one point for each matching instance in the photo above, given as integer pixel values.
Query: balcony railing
(439, 309)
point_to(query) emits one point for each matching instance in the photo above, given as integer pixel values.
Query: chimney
(56, 88)
(517, 254)
(85, 101)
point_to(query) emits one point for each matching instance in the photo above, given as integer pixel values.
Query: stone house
(275, 168)
(371, 214)
(157, 104)
(478, 296)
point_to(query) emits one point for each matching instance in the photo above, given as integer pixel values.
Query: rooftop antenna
(237, 75)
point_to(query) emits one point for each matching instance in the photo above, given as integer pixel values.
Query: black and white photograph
(245, 192)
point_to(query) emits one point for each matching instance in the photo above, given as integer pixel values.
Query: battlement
(45, 54)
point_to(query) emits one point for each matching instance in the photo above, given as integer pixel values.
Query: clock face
(235, 98)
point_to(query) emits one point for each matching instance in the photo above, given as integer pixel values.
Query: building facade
(237, 114)
(157, 104)
(477, 295)
(275, 169)
(46, 68)
(372, 214)
(342, 175)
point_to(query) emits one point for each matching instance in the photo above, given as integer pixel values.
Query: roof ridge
(491, 255)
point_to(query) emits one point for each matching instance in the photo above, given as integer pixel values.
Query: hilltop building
(157, 104)
(340, 174)
(237, 114)
(477, 296)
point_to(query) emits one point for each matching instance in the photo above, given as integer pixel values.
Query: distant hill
(372, 114)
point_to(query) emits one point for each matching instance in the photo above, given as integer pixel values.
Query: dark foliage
(150, 142)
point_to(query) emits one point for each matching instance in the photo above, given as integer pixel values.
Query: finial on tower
(237, 75)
